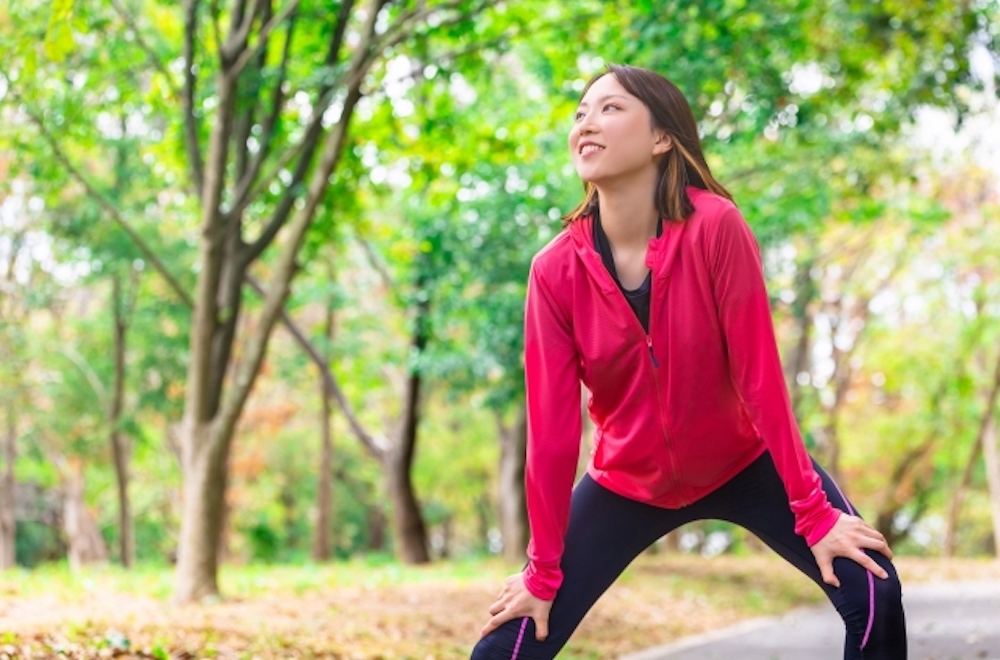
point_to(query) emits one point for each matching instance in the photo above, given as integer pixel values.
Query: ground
(364, 610)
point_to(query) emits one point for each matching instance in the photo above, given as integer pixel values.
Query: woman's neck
(628, 215)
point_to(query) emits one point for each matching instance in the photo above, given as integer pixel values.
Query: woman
(653, 296)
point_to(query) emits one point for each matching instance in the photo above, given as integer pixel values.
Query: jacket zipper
(649, 344)
(672, 467)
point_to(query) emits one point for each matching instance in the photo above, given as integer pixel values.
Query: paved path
(950, 621)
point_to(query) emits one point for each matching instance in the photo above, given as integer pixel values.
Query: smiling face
(613, 136)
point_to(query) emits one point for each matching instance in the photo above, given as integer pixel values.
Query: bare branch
(250, 89)
(305, 151)
(216, 30)
(190, 80)
(343, 17)
(242, 194)
(374, 447)
(238, 36)
(286, 263)
(146, 250)
(375, 262)
(409, 22)
(88, 372)
(146, 48)
(264, 35)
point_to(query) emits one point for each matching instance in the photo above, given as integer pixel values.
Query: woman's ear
(663, 143)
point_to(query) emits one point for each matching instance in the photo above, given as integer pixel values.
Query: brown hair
(684, 164)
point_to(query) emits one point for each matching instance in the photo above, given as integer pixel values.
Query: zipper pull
(649, 344)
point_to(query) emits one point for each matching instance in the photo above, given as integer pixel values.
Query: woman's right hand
(515, 601)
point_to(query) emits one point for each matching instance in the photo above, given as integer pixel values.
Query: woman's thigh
(605, 533)
(870, 607)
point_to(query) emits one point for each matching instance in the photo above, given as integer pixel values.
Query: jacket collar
(660, 254)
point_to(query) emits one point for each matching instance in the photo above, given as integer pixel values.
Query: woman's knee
(515, 640)
(863, 597)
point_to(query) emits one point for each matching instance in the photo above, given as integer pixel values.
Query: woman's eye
(610, 105)
(578, 116)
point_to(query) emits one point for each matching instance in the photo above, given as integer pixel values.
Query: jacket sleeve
(755, 367)
(552, 382)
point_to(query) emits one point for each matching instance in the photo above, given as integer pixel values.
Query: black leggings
(607, 531)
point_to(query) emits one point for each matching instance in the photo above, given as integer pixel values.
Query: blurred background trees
(263, 262)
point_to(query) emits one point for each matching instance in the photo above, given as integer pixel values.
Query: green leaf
(59, 41)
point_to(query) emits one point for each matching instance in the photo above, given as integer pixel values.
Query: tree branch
(375, 262)
(249, 90)
(88, 372)
(190, 79)
(285, 266)
(146, 250)
(408, 22)
(376, 447)
(241, 195)
(150, 54)
(262, 37)
(238, 35)
(305, 150)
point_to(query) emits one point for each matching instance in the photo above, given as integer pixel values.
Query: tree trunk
(906, 484)
(376, 528)
(408, 522)
(119, 444)
(8, 524)
(513, 507)
(956, 499)
(213, 402)
(205, 477)
(985, 443)
(322, 547)
(86, 545)
(993, 478)
(798, 361)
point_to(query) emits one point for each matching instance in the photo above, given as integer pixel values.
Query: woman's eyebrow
(603, 98)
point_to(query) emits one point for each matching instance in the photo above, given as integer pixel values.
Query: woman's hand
(516, 601)
(848, 538)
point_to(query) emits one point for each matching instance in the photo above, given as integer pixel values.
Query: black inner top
(638, 299)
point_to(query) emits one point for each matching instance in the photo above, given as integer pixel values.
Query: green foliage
(455, 176)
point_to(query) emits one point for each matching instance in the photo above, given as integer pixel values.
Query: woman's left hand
(516, 601)
(849, 538)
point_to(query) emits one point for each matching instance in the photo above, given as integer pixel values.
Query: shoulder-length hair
(683, 165)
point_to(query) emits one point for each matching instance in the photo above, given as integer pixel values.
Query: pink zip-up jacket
(678, 411)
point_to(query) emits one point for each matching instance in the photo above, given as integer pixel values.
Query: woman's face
(613, 135)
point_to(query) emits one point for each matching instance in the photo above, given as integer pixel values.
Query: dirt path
(419, 615)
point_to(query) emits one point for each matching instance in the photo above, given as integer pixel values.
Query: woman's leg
(871, 608)
(606, 532)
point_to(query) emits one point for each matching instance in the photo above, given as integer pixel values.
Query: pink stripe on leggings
(871, 581)
(520, 636)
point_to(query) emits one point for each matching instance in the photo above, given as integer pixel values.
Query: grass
(375, 608)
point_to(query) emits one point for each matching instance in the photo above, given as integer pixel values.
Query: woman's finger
(497, 607)
(491, 625)
(500, 617)
(826, 570)
(873, 541)
(869, 564)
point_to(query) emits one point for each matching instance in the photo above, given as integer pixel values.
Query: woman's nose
(586, 125)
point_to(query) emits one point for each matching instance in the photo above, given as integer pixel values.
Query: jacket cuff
(542, 584)
(821, 529)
